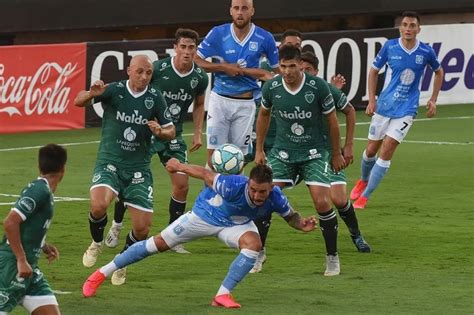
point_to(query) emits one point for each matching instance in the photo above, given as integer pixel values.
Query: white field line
(56, 199)
(358, 124)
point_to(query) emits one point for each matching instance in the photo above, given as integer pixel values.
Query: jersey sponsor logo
(253, 46)
(149, 102)
(164, 64)
(216, 201)
(297, 129)
(27, 204)
(283, 154)
(172, 112)
(407, 76)
(309, 97)
(180, 96)
(165, 77)
(313, 154)
(396, 57)
(194, 82)
(312, 82)
(3, 297)
(129, 134)
(95, 178)
(153, 91)
(230, 51)
(111, 168)
(134, 118)
(120, 85)
(296, 114)
(138, 178)
(419, 59)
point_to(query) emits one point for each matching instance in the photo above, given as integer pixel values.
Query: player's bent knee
(250, 240)
(98, 208)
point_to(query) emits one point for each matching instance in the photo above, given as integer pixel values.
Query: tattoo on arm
(294, 220)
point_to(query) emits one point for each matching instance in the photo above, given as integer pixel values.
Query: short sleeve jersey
(126, 137)
(179, 90)
(36, 207)
(222, 44)
(401, 93)
(298, 114)
(228, 203)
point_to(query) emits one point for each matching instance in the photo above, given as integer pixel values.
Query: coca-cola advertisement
(38, 84)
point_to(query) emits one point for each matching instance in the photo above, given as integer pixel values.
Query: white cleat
(112, 239)
(90, 256)
(261, 258)
(333, 267)
(119, 276)
(180, 249)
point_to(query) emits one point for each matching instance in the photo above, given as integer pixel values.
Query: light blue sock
(366, 166)
(239, 268)
(136, 252)
(378, 172)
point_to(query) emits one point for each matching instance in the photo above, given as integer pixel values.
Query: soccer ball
(227, 159)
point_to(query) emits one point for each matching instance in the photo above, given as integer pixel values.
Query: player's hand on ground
(338, 163)
(233, 69)
(173, 165)
(260, 158)
(24, 268)
(348, 154)
(154, 127)
(309, 224)
(51, 252)
(338, 81)
(196, 143)
(431, 107)
(370, 109)
(97, 88)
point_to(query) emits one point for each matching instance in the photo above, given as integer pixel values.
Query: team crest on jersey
(149, 102)
(309, 97)
(253, 46)
(28, 204)
(194, 82)
(419, 59)
(3, 297)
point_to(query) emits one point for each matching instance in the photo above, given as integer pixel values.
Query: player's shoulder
(277, 195)
(36, 189)
(273, 83)
(314, 82)
(393, 43)
(200, 72)
(221, 28)
(424, 47)
(161, 64)
(259, 31)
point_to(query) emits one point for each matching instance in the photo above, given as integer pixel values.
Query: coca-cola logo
(43, 92)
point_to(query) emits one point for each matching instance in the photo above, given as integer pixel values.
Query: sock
(378, 172)
(366, 166)
(131, 239)
(328, 225)
(97, 226)
(239, 268)
(134, 253)
(263, 226)
(176, 209)
(119, 211)
(348, 215)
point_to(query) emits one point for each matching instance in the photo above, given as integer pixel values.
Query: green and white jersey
(126, 137)
(179, 90)
(35, 206)
(299, 113)
(340, 101)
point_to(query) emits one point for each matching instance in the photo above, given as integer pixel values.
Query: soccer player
(338, 180)
(133, 111)
(300, 102)
(21, 281)
(224, 209)
(394, 111)
(238, 47)
(182, 82)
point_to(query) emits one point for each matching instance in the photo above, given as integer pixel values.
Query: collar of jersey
(179, 73)
(241, 43)
(247, 197)
(406, 50)
(46, 181)
(298, 89)
(135, 95)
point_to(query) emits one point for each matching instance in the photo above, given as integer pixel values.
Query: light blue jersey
(222, 43)
(227, 203)
(401, 93)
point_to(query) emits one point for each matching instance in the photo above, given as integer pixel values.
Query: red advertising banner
(38, 84)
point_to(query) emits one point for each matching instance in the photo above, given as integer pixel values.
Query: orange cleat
(358, 189)
(93, 283)
(360, 203)
(225, 300)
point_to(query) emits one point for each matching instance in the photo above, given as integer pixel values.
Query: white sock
(117, 224)
(222, 290)
(108, 269)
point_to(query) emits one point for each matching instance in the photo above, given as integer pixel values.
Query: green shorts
(314, 171)
(14, 290)
(133, 187)
(166, 150)
(338, 178)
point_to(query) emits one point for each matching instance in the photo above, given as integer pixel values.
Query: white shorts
(189, 227)
(396, 128)
(30, 302)
(229, 121)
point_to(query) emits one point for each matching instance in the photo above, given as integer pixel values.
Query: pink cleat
(358, 189)
(360, 203)
(93, 283)
(225, 300)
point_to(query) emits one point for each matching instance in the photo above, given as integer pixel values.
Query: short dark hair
(411, 14)
(186, 33)
(51, 158)
(261, 174)
(287, 52)
(310, 58)
(291, 32)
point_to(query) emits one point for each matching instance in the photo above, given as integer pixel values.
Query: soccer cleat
(180, 249)
(361, 244)
(261, 258)
(119, 276)
(90, 256)
(333, 267)
(358, 189)
(225, 300)
(360, 203)
(93, 283)
(112, 239)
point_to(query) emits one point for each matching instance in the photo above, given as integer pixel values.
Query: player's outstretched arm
(263, 122)
(259, 74)
(348, 149)
(372, 86)
(337, 160)
(11, 224)
(196, 171)
(83, 98)
(198, 118)
(230, 69)
(296, 221)
(167, 133)
(438, 81)
(51, 252)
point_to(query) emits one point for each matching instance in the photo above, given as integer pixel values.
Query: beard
(241, 23)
